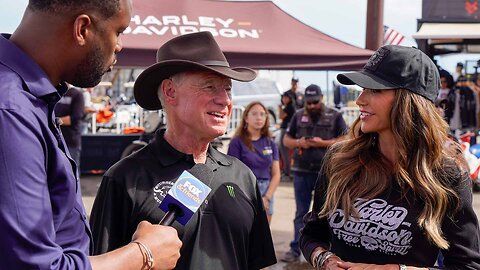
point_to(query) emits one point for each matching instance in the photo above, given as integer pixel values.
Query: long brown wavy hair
(242, 130)
(357, 169)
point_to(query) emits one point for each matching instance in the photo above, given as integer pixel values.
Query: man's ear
(82, 29)
(168, 91)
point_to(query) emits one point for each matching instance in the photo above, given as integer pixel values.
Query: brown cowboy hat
(190, 52)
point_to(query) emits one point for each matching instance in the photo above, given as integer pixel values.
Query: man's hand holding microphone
(155, 247)
(161, 241)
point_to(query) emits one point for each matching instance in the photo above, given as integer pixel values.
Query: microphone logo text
(191, 191)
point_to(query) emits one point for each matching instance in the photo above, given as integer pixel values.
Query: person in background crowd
(442, 100)
(191, 81)
(88, 109)
(391, 196)
(287, 109)
(446, 84)
(474, 85)
(461, 109)
(70, 110)
(42, 217)
(254, 146)
(311, 131)
(295, 95)
(458, 71)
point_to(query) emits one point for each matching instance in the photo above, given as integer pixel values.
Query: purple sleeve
(235, 148)
(274, 150)
(29, 234)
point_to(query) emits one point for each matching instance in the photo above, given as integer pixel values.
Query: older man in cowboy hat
(191, 81)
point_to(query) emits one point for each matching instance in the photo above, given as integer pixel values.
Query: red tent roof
(254, 34)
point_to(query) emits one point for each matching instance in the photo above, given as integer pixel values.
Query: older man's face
(204, 104)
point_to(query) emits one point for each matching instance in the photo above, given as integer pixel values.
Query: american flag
(391, 37)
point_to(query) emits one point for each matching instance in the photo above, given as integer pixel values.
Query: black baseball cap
(313, 93)
(394, 67)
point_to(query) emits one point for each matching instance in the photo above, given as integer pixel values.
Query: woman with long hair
(254, 146)
(390, 196)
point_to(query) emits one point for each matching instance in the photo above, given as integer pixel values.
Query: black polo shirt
(230, 230)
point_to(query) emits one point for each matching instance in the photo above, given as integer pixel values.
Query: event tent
(449, 26)
(255, 34)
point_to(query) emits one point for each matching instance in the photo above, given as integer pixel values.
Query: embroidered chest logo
(161, 189)
(380, 227)
(305, 119)
(231, 191)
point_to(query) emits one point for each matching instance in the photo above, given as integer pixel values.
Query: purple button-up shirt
(43, 223)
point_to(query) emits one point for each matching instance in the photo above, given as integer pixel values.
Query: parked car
(261, 89)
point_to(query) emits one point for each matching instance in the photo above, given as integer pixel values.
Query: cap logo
(311, 92)
(376, 59)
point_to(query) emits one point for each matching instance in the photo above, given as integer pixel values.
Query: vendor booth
(449, 26)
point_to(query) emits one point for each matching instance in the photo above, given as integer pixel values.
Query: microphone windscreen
(202, 172)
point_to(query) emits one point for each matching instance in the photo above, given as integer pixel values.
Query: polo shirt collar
(31, 73)
(218, 157)
(167, 155)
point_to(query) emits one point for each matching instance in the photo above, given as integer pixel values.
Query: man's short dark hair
(106, 8)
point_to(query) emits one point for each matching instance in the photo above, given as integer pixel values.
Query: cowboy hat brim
(146, 85)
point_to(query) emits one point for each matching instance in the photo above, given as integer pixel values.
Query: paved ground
(282, 225)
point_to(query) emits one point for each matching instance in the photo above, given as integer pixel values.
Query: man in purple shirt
(42, 218)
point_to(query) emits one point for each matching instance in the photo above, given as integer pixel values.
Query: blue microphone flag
(187, 195)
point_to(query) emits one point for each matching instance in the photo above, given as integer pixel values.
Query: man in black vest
(312, 130)
(297, 97)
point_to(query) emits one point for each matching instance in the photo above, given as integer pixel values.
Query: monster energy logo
(231, 191)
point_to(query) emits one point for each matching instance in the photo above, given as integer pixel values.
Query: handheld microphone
(186, 195)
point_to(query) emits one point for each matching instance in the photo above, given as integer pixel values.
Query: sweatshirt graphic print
(380, 227)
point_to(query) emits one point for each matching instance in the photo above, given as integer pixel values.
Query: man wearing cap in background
(312, 130)
(458, 71)
(297, 97)
(191, 81)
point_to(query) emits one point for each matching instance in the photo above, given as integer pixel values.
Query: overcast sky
(342, 19)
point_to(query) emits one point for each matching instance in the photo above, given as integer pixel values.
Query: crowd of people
(387, 193)
(459, 101)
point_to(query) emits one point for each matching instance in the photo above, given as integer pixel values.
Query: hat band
(214, 63)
